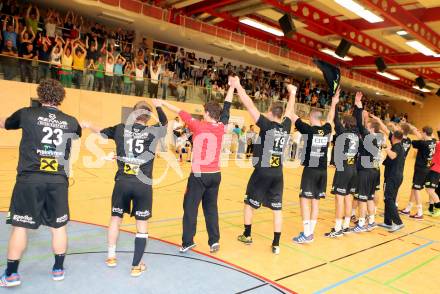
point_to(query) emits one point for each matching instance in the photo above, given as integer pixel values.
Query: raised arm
(91, 127)
(416, 132)
(224, 116)
(245, 99)
(335, 101)
(290, 108)
(161, 115)
(383, 127)
(171, 107)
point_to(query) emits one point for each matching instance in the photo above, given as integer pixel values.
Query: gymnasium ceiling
(326, 22)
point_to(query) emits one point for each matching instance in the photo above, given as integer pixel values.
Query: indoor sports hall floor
(375, 262)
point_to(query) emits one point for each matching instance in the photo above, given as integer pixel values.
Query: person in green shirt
(99, 75)
(128, 78)
(32, 17)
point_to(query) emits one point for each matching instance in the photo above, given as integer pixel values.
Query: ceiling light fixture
(360, 10)
(261, 26)
(402, 33)
(333, 53)
(424, 90)
(388, 76)
(421, 48)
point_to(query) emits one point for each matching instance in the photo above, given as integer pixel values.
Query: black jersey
(136, 148)
(315, 141)
(273, 138)
(394, 167)
(406, 144)
(425, 152)
(346, 146)
(46, 139)
(370, 148)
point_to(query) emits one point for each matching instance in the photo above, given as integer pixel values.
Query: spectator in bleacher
(32, 17)
(44, 58)
(108, 75)
(90, 74)
(79, 62)
(9, 61)
(118, 77)
(66, 65)
(27, 53)
(99, 75)
(153, 85)
(55, 58)
(139, 82)
(166, 77)
(10, 30)
(128, 78)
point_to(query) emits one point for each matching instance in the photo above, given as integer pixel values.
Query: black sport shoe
(347, 231)
(185, 248)
(244, 239)
(334, 234)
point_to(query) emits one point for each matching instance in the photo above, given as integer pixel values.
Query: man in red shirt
(432, 183)
(204, 180)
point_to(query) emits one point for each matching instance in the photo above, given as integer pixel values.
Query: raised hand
(358, 97)
(291, 89)
(157, 102)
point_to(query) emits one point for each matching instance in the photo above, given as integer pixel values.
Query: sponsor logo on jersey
(254, 202)
(117, 210)
(62, 219)
(131, 169)
(276, 205)
(145, 213)
(23, 219)
(48, 164)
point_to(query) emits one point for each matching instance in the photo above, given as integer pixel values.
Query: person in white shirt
(153, 86)
(139, 82)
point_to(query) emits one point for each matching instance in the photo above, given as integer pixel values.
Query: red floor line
(204, 254)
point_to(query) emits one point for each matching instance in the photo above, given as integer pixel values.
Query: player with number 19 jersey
(265, 186)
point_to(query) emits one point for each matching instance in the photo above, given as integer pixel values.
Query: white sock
(409, 206)
(306, 225)
(111, 251)
(361, 222)
(419, 210)
(371, 219)
(312, 226)
(346, 223)
(338, 225)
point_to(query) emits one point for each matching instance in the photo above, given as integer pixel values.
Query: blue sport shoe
(301, 238)
(10, 281)
(359, 229)
(58, 274)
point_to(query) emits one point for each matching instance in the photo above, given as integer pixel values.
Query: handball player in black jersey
(346, 151)
(136, 144)
(316, 138)
(425, 146)
(265, 186)
(368, 167)
(40, 195)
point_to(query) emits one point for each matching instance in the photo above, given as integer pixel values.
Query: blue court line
(323, 290)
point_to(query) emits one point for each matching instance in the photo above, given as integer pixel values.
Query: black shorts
(313, 183)
(376, 179)
(432, 180)
(38, 200)
(345, 182)
(265, 187)
(133, 198)
(420, 178)
(366, 184)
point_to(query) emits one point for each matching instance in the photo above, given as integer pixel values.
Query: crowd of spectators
(84, 54)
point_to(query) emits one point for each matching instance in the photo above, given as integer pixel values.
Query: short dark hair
(406, 129)
(375, 126)
(51, 92)
(398, 135)
(349, 122)
(277, 109)
(427, 130)
(213, 109)
(142, 105)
